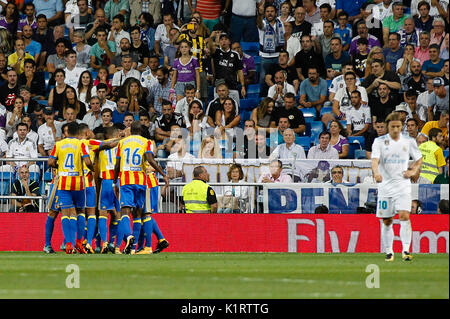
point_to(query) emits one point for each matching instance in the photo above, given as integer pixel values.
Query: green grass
(222, 275)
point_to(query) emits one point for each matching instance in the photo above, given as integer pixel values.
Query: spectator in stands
(106, 115)
(85, 88)
(263, 150)
(128, 119)
(380, 129)
(313, 90)
(99, 22)
(59, 33)
(243, 21)
(31, 135)
(324, 39)
(412, 127)
(165, 148)
(446, 69)
(434, 67)
(49, 132)
(410, 72)
(162, 33)
(380, 75)
(93, 117)
(57, 60)
(103, 77)
(248, 64)
(44, 36)
(69, 115)
(21, 147)
(228, 118)
(139, 48)
(292, 43)
(275, 174)
(29, 105)
(33, 80)
(342, 99)
(116, 63)
(166, 120)
(363, 32)
(442, 124)
(359, 60)
(394, 51)
(337, 57)
(186, 70)
(15, 117)
(137, 97)
(182, 106)
(31, 46)
(16, 60)
(125, 73)
(227, 64)
(37, 117)
(263, 115)
(72, 100)
(29, 17)
(271, 37)
(307, 57)
(58, 93)
(283, 65)
(72, 71)
(82, 49)
(422, 99)
(196, 118)
(149, 78)
(3, 69)
(443, 177)
(443, 206)
(295, 115)
(324, 150)
(394, 22)
(137, 7)
(339, 81)
(209, 148)
(337, 175)
(240, 193)
(438, 99)
(433, 157)
(104, 101)
(358, 116)
(280, 88)
(444, 48)
(217, 104)
(422, 52)
(24, 187)
(343, 30)
(338, 138)
(300, 26)
(102, 52)
(53, 11)
(312, 11)
(410, 98)
(422, 20)
(289, 152)
(79, 20)
(438, 33)
(117, 32)
(285, 14)
(121, 110)
(160, 91)
(170, 51)
(114, 7)
(383, 105)
(409, 34)
(9, 90)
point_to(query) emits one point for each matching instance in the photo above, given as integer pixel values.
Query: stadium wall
(306, 233)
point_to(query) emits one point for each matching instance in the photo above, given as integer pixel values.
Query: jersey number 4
(68, 162)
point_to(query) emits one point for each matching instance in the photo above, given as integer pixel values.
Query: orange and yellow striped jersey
(69, 154)
(130, 154)
(93, 146)
(152, 181)
(107, 160)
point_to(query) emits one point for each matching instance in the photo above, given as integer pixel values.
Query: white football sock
(387, 235)
(405, 234)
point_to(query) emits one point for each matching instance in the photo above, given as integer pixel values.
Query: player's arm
(151, 160)
(105, 145)
(375, 170)
(88, 162)
(414, 169)
(52, 159)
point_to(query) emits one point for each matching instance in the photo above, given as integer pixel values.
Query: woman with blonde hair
(375, 53)
(262, 115)
(210, 148)
(6, 42)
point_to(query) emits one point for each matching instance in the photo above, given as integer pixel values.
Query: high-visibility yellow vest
(429, 168)
(195, 196)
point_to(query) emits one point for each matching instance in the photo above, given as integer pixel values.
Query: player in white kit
(390, 159)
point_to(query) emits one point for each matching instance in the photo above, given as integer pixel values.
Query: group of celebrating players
(118, 171)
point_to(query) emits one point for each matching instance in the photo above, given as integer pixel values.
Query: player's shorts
(108, 200)
(71, 199)
(53, 198)
(91, 197)
(132, 196)
(388, 207)
(151, 200)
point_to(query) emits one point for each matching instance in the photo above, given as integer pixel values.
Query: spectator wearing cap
(227, 64)
(35, 81)
(16, 60)
(405, 114)
(49, 132)
(438, 99)
(324, 150)
(9, 90)
(243, 21)
(271, 37)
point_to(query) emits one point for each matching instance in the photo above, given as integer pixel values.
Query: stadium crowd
(209, 79)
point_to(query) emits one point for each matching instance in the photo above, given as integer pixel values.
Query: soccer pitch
(222, 276)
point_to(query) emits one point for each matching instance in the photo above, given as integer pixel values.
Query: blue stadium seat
(308, 128)
(360, 154)
(35, 176)
(309, 112)
(309, 119)
(257, 59)
(357, 140)
(251, 48)
(248, 104)
(253, 90)
(325, 110)
(161, 61)
(94, 75)
(316, 129)
(47, 79)
(44, 103)
(356, 146)
(245, 115)
(304, 141)
(48, 176)
(5, 185)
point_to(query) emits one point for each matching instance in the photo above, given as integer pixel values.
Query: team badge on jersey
(386, 142)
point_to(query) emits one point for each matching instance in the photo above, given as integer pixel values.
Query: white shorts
(388, 207)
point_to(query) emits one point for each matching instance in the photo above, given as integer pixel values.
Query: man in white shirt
(31, 135)
(162, 33)
(182, 106)
(21, 147)
(324, 150)
(289, 153)
(49, 132)
(280, 88)
(102, 88)
(358, 116)
(382, 10)
(126, 72)
(72, 71)
(149, 77)
(117, 32)
(339, 82)
(93, 118)
(422, 101)
(437, 7)
(392, 171)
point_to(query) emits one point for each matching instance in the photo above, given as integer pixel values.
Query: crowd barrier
(295, 233)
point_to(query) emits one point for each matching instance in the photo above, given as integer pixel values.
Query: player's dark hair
(136, 128)
(110, 131)
(72, 129)
(434, 132)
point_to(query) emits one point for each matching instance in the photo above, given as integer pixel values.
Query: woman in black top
(72, 100)
(58, 93)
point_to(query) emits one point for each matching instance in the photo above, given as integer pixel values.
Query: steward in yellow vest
(433, 157)
(198, 196)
